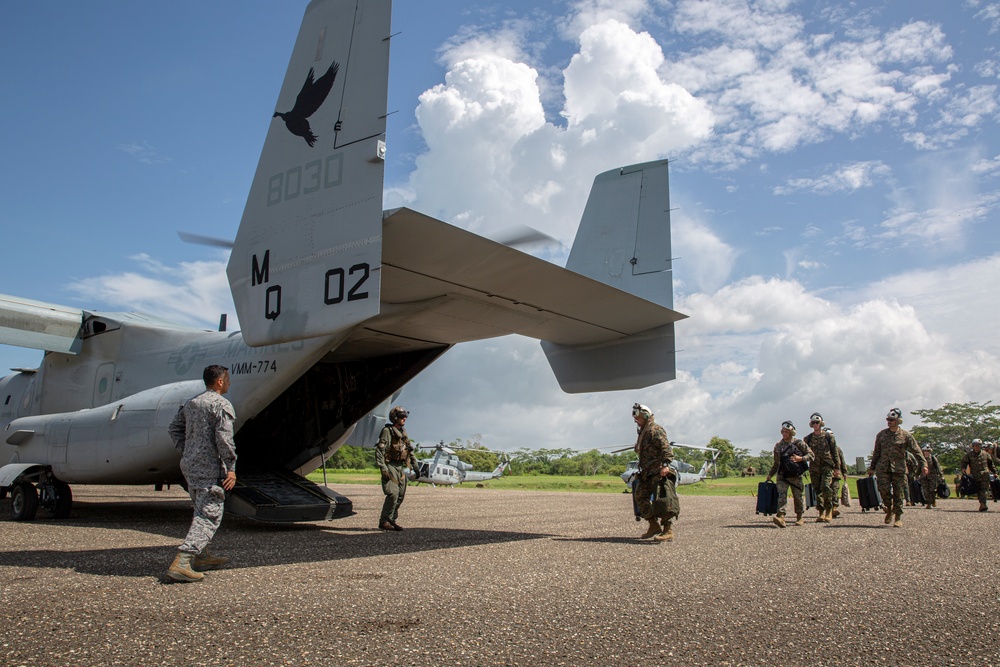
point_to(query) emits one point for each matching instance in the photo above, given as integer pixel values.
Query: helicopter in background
(685, 471)
(446, 468)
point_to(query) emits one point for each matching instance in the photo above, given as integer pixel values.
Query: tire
(23, 501)
(64, 500)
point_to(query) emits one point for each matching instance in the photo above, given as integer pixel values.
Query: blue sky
(836, 186)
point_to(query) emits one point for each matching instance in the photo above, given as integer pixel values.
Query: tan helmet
(397, 413)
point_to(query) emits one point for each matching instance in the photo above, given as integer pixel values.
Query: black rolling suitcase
(917, 492)
(995, 487)
(767, 498)
(809, 493)
(868, 495)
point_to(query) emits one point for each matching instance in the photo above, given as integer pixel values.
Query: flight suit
(393, 453)
(202, 431)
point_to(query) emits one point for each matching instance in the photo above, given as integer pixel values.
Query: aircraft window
(7, 402)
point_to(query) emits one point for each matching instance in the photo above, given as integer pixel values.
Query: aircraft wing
(39, 325)
(443, 285)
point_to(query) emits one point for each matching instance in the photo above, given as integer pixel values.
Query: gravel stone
(489, 577)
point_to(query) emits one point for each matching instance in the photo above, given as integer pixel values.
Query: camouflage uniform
(929, 484)
(836, 484)
(980, 466)
(202, 431)
(825, 460)
(393, 453)
(789, 448)
(889, 464)
(913, 467)
(653, 448)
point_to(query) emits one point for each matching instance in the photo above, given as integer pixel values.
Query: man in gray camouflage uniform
(203, 433)
(825, 466)
(393, 453)
(655, 454)
(889, 462)
(980, 465)
(929, 482)
(789, 452)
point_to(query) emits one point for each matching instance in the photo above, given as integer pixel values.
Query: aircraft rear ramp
(284, 497)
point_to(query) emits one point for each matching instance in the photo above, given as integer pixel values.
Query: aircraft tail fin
(623, 241)
(307, 256)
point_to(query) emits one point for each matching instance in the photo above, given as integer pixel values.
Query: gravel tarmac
(487, 577)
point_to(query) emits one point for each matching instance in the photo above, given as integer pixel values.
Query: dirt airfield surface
(484, 577)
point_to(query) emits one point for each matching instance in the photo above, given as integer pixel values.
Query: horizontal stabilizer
(631, 362)
(39, 325)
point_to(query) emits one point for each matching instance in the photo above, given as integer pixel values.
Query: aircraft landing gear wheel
(63, 501)
(23, 501)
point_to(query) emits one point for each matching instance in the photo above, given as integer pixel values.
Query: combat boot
(983, 507)
(927, 506)
(779, 521)
(799, 520)
(180, 569)
(835, 514)
(898, 523)
(666, 534)
(206, 561)
(888, 516)
(654, 529)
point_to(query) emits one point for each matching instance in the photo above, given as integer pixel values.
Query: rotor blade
(519, 236)
(198, 239)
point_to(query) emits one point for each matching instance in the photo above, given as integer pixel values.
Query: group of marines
(896, 460)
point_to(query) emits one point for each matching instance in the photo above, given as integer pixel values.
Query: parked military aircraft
(446, 468)
(685, 471)
(340, 304)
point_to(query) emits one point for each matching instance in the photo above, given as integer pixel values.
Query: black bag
(812, 500)
(789, 468)
(868, 496)
(767, 498)
(943, 490)
(968, 486)
(995, 488)
(917, 492)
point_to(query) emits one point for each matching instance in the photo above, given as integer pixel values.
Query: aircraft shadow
(252, 544)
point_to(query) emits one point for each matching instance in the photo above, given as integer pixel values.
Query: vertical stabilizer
(623, 241)
(307, 257)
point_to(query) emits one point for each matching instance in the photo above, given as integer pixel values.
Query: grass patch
(723, 486)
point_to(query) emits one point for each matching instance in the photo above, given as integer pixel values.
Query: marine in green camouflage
(980, 465)
(785, 448)
(889, 462)
(929, 482)
(825, 461)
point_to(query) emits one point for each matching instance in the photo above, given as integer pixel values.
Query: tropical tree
(727, 456)
(951, 429)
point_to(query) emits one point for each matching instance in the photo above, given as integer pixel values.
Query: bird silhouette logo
(309, 100)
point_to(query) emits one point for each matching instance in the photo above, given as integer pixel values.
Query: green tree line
(949, 430)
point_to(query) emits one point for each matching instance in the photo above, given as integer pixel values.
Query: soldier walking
(393, 453)
(930, 480)
(838, 480)
(202, 431)
(655, 454)
(791, 457)
(980, 465)
(825, 466)
(889, 462)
